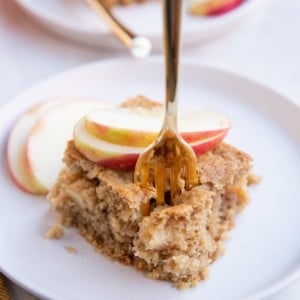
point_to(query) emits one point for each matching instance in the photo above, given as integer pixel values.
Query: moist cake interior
(175, 243)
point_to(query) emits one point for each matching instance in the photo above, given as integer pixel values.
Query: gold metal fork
(169, 159)
(139, 46)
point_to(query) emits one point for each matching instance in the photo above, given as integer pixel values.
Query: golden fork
(169, 159)
(139, 46)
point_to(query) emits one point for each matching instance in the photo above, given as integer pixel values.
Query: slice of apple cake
(174, 242)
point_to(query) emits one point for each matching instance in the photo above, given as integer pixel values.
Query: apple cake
(111, 3)
(174, 242)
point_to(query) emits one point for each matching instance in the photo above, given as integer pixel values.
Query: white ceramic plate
(263, 255)
(74, 19)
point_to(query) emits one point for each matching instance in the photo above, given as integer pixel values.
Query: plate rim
(273, 288)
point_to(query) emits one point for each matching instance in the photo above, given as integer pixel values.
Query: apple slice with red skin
(124, 157)
(139, 126)
(15, 150)
(213, 7)
(47, 139)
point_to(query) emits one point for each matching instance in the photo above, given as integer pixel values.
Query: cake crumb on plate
(55, 231)
(71, 250)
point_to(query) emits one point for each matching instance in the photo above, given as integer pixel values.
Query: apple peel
(124, 157)
(16, 153)
(140, 126)
(213, 7)
(46, 142)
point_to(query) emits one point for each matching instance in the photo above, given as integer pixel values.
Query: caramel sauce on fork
(168, 160)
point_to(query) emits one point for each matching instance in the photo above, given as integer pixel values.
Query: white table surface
(266, 46)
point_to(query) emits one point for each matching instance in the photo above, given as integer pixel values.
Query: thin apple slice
(15, 150)
(123, 157)
(102, 152)
(48, 137)
(212, 7)
(140, 126)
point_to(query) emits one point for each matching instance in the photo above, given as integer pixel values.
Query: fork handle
(124, 34)
(139, 46)
(172, 10)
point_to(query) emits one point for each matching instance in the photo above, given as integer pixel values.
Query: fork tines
(169, 165)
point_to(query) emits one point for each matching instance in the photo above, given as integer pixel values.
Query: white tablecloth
(266, 46)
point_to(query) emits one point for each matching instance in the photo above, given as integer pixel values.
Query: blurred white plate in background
(74, 19)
